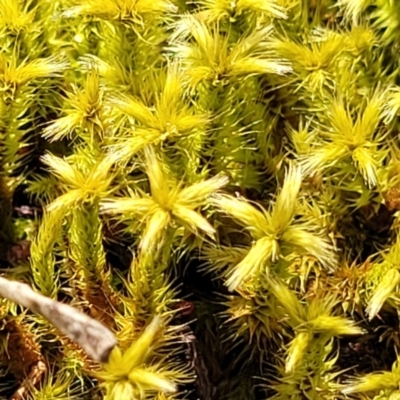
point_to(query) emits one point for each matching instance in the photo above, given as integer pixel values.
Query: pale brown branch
(94, 338)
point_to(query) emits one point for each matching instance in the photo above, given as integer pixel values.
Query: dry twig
(94, 338)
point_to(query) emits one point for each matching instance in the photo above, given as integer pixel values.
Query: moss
(217, 182)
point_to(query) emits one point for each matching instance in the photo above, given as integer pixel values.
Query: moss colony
(217, 182)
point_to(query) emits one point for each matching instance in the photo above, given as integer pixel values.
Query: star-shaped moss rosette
(81, 182)
(165, 115)
(350, 135)
(85, 115)
(275, 232)
(315, 318)
(211, 58)
(169, 204)
(308, 368)
(136, 373)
